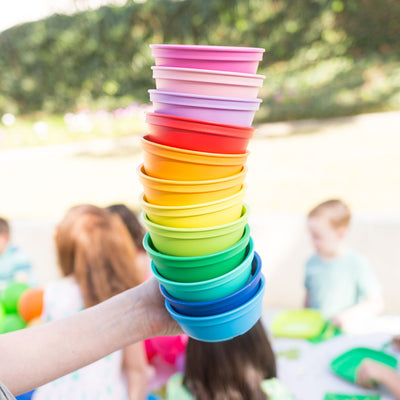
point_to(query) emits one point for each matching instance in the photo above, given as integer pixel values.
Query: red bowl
(197, 135)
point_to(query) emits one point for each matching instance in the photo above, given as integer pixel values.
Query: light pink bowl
(207, 82)
(222, 58)
(225, 110)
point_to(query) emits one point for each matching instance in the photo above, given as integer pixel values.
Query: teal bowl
(211, 289)
(225, 326)
(200, 268)
(190, 242)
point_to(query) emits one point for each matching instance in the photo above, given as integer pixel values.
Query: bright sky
(13, 12)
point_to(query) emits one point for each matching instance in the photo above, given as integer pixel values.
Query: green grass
(332, 87)
(42, 130)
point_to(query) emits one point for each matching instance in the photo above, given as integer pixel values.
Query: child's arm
(137, 371)
(307, 300)
(372, 372)
(371, 305)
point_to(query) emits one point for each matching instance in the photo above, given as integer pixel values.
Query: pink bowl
(207, 82)
(225, 110)
(222, 58)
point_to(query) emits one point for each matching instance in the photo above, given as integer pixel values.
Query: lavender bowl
(225, 110)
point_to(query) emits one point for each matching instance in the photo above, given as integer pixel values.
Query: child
(136, 231)
(98, 260)
(339, 281)
(242, 368)
(14, 263)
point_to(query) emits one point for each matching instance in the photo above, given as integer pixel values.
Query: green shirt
(272, 387)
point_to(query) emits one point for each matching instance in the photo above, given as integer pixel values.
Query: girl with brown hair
(97, 259)
(240, 369)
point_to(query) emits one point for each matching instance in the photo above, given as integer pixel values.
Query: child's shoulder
(356, 258)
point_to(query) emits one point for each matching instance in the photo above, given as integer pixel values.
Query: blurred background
(74, 76)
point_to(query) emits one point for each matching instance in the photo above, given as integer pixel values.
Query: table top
(304, 367)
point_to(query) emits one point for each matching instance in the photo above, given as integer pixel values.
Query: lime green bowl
(200, 268)
(210, 289)
(190, 242)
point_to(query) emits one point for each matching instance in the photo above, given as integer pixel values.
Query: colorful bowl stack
(193, 177)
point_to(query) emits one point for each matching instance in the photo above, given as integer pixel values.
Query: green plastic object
(211, 289)
(11, 296)
(328, 332)
(2, 314)
(301, 324)
(200, 268)
(12, 322)
(338, 396)
(347, 364)
(185, 242)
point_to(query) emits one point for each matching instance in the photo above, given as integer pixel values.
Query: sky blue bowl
(210, 289)
(225, 326)
(223, 304)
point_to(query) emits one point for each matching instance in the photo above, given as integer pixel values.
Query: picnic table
(304, 367)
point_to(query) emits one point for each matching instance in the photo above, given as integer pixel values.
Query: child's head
(328, 224)
(4, 234)
(131, 222)
(232, 369)
(95, 247)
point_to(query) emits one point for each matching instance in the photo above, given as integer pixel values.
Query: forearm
(137, 384)
(392, 381)
(32, 357)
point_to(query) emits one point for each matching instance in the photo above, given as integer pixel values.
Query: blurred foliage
(324, 57)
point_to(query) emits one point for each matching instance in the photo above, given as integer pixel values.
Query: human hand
(396, 342)
(157, 321)
(339, 321)
(371, 373)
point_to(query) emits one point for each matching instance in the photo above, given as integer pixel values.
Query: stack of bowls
(193, 177)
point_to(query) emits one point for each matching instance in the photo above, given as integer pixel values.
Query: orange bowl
(183, 193)
(167, 162)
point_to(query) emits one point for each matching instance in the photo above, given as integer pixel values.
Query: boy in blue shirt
(339, 282)
(14, 263)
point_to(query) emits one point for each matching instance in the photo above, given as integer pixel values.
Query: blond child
(339, 281)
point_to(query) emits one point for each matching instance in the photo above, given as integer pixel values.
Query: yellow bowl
(204, 215)
(183, 193)
(167, 162)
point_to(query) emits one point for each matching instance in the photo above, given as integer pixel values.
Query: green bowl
(200, 268)
(211, 289)
(185, 242)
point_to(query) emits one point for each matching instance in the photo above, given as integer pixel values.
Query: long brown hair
(95, 247)
(231, 370)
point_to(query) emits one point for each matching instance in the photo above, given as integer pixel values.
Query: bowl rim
(226, 316)
(142, 174)
(210, 283)
(244, 216)
(239, 243)
(203, 123)
(240, 194)
(144, 139)
(204, 97)
(207, 72)
(207, 48)
(195, 304)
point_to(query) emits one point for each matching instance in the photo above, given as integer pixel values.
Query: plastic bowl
(204, 215)
(197, 135)
(200, 268)
(225, 110)
(223, 58)
(185, 242)
(225, 326)
(223, 304)
(182, 193)
(167, 162)
(207, 82)
(210, 289)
